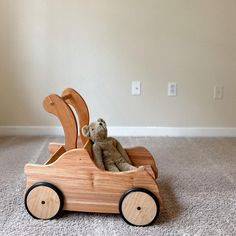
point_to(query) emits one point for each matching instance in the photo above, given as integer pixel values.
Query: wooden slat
(56, 155)
(55, 105)
(80, 106)
(53, 147)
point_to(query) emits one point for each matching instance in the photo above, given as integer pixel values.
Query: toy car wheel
(43, 201)
(139, 207)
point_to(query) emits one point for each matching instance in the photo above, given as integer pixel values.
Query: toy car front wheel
(43, 201)
(139, 207)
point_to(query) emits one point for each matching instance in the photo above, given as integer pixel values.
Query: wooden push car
(71, 181)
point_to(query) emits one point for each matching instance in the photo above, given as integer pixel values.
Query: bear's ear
(85, 131)
(102, 121)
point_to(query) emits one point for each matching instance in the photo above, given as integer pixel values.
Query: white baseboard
(127, 131)
(30, 130)
(173, 131)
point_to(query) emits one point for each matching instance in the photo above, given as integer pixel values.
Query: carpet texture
(197, 180)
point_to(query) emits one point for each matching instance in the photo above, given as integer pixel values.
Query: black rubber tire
(49, 185)
(144, 191)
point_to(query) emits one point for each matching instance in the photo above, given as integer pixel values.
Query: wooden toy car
(71, 181)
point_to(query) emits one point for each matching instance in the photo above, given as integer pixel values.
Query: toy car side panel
(140, 156)
(84, 186)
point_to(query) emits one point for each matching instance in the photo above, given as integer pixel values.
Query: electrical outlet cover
(136, 88)
(218, 92)
(172, 89)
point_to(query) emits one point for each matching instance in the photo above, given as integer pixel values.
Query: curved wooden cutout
(53, 147)
(76, 100)
(56, 155)
(140, 156)
(55, 105)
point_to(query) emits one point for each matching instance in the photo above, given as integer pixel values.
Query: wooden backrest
(74, 99)
(61, 107)
(58, 107)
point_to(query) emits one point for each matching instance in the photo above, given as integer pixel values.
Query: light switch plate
(136, 88)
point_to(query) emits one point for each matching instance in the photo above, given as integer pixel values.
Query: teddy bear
(107, 151)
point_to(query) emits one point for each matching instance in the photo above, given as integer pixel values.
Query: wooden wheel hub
(139, 208)
(43, 202)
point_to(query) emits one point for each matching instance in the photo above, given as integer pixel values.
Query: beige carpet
(197, 181)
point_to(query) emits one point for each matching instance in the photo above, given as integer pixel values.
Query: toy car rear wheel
(139, 207)
(44, 201)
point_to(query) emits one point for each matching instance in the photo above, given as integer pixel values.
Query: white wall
(98, 47)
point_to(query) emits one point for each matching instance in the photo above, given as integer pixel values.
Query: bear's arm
(97, 153)
(122, 151)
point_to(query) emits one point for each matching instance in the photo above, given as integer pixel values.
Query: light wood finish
(56, 155)
(150, 171)
(140, 156)
(55, 105)
(43, 202)
(68, 96)
(85, 187)
(74, 99)
(139, 208)
(53, 147)
(80, 106)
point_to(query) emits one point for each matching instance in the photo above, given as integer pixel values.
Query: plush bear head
(96, 131)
